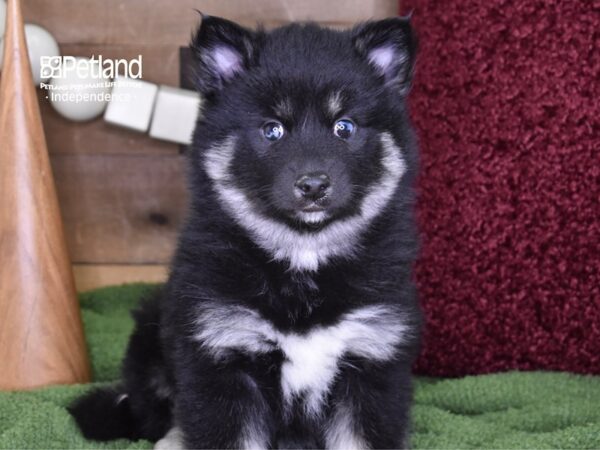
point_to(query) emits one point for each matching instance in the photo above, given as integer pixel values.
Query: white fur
(254, 441)
(341, 432)
(255, 431)
(385, 57)
(313, 358)
(173, 440)
(312, 217)
(227, 61)
(223, 328)
(371, 332)
(311, 365)
(218, 159)
(334, 103)
(304, 251)
(284, 108)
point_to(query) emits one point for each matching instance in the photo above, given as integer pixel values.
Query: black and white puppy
(290, 318)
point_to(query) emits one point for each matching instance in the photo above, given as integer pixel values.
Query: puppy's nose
(313, 185)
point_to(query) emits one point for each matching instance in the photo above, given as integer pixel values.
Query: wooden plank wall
(123, 194)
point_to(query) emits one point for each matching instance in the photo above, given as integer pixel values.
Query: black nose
(313, 185)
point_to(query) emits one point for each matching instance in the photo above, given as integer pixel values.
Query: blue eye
(344, 128)
(272, 131)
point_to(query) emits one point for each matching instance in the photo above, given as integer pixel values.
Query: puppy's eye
(272, 131)
(344, 128)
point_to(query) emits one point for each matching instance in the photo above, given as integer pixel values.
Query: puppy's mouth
(313, 208)
(312, 214)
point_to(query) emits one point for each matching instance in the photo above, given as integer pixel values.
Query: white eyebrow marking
(284, 108)
(334, 103)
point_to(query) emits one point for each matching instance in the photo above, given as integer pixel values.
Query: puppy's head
(302, 126)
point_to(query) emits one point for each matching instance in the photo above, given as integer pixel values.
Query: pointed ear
(223, 50)
(389, 45)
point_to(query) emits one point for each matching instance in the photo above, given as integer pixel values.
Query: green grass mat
(509, 410)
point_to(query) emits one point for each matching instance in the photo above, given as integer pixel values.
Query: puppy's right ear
(390, 46)
(224, 50)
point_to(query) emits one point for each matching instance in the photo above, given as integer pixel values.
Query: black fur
(103, 414)
(168, 377)
(139, 407)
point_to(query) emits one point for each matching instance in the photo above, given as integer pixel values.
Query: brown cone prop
(41, 334)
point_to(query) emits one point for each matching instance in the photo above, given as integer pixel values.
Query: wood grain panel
(162, 22)
(121, 208)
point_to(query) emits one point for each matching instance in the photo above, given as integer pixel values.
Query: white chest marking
(312, 359)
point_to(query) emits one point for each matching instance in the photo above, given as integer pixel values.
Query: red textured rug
(506, 104)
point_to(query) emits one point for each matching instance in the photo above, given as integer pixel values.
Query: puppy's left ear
(224, 50)
(390, 46)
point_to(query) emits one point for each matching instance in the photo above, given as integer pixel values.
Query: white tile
(175, 114)
(131, 104)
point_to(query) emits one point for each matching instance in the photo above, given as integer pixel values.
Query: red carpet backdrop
(506, 104)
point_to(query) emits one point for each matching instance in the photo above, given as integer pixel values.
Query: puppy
(290, 318)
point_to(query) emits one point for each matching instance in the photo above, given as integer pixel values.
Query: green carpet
(509, 410)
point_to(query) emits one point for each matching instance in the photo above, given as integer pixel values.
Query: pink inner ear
(227, 61)
(382, 57)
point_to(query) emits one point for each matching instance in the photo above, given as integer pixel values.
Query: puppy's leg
(343, 430)
(370, 407)
(173, 440)
(221, 406)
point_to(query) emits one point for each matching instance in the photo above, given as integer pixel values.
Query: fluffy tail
(139, 407)
(104, 414)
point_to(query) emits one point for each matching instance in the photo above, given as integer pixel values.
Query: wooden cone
(41, 334)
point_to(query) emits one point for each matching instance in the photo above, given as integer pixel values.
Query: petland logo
(94, 67)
